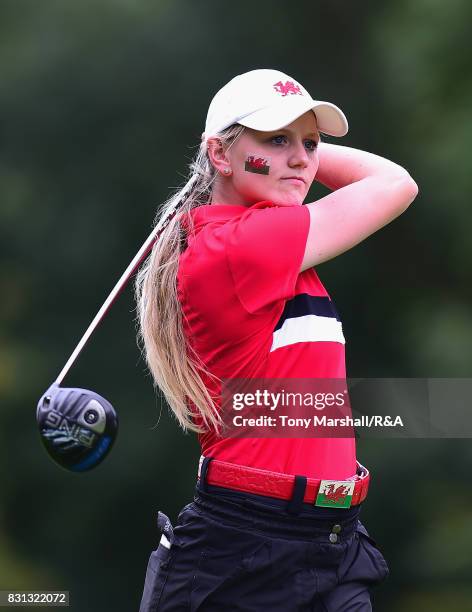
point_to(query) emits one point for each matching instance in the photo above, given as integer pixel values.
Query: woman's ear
(218, 157)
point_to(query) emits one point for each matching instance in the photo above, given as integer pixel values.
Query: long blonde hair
(175, 367)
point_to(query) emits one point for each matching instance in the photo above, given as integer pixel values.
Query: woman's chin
(288, 201)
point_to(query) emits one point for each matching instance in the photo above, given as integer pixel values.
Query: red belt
(276, 484)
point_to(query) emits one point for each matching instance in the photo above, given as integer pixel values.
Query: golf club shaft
(133, 266)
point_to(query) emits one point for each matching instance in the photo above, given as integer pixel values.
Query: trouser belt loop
(203, 472)
(294, 506)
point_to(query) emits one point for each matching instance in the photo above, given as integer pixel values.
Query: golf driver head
(78, 427)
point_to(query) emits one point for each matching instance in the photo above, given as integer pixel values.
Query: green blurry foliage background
(101, 108)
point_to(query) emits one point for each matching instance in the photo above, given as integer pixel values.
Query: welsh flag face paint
(257, 164)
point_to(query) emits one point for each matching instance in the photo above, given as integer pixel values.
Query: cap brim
(330, 119)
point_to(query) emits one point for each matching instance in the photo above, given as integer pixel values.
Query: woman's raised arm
(370, 191)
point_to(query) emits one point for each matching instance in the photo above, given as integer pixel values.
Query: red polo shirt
(250, 313)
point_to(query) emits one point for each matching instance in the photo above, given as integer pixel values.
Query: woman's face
(279, 166)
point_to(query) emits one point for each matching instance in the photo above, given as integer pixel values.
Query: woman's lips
(294, 180)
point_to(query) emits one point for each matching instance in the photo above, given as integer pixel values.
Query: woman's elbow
(407, 191)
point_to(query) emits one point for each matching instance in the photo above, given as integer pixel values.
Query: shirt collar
(208, 213)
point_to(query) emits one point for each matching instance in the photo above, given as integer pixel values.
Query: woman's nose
(299, 156)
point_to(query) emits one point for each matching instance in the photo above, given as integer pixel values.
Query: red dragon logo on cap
(286, 88)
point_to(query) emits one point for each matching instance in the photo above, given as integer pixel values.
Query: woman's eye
(311, 145)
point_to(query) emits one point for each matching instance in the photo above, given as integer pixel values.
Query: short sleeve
(265, 250)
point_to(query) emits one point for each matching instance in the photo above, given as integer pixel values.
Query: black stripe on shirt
(304, 304)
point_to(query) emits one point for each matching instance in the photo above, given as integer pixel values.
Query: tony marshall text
(318, 421)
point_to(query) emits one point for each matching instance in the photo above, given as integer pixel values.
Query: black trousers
(233, 551)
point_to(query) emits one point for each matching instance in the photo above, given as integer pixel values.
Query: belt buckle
(335, 493)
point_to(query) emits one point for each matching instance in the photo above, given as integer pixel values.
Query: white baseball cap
(268, 100)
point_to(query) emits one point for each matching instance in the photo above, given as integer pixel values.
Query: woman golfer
(230, 291)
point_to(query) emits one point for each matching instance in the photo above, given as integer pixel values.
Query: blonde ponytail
(175, 367)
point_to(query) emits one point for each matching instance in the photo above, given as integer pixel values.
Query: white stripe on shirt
(309, 328)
